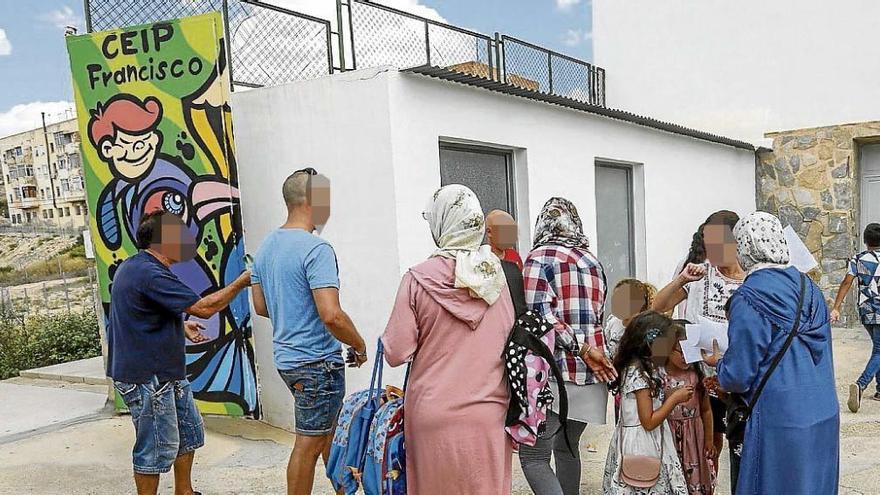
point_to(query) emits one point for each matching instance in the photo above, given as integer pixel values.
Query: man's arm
(336, 320)
(211, 304)
(259, 300)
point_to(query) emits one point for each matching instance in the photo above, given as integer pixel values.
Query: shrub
(44, 340)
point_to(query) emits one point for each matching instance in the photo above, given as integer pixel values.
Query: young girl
(641, 355)
(629, 298)
(691, 421)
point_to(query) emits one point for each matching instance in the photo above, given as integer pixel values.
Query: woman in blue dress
(792, 436)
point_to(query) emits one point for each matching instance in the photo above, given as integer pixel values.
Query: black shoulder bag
(738, 411)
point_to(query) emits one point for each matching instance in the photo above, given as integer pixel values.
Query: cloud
(5, 45)
(61, 18)
(566, 4)
(26, 116)
(327, 10)
(575, 37)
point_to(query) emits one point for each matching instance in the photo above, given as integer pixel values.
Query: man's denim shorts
(318, 391)
(166, 423)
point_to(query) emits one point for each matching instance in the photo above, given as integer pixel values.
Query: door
(614, 221)
(869, 162)
(486, 171)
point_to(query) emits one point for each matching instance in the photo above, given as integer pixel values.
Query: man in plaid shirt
(565, 284)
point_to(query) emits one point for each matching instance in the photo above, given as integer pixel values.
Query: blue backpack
(365, 450)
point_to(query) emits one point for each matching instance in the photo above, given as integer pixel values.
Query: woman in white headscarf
(451, 319)
(791, 442)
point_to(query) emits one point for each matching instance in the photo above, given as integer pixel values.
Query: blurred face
(720, 245)
(676, 358)
(319, 200)
(627, 301)
(176, 242)
(661, 349)
(501, 231)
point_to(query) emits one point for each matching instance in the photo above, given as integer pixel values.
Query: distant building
(44, 190)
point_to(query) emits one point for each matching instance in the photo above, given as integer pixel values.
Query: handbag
(739, 410)
(638, 470)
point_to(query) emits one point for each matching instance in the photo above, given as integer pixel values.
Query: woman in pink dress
(451, 319)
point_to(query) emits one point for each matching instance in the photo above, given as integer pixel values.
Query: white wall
(376, 134)
(685, 179)
(340, 127)
(741, 68)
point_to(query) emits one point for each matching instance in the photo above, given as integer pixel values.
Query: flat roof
(500, 87)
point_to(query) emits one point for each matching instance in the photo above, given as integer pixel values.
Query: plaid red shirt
(567, 287)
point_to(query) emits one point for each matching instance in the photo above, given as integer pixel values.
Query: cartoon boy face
(131, 154)
(124, 132)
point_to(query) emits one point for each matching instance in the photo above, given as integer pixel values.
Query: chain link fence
(536, 68)
(268, 45)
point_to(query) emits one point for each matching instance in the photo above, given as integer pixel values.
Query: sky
(34, 67)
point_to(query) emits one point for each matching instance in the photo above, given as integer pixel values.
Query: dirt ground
(241, 457)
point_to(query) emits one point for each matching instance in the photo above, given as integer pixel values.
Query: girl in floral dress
(641, 355)
(691, 422)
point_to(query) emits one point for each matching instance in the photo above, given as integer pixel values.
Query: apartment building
(44, 187)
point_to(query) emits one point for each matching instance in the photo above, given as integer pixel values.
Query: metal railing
(271, 45)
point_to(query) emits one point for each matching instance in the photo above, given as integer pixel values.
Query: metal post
(498, 48)
(339, 36)
(427, 44)
(88, 15)
(228, 42)
(67, 296)
(354, 65)
(550, 70)
(489, 49)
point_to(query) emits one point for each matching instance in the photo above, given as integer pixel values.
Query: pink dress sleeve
(401, 337)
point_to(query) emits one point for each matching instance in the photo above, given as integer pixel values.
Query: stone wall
(810, 179)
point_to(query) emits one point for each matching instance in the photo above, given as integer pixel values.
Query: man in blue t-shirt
(146, 350)
(296, 284)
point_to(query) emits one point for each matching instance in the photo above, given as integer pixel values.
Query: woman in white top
(710, 275)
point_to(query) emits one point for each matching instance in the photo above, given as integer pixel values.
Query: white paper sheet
(700, 336)
(689, 347)
(800, 255)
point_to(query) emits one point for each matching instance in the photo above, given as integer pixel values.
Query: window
(52, 147)
(57, 191)
(51, 213)
(65, 185)
(67, 211)
(60, 212)
(487, 171)
(78, 210)
(29, 191)
(45, 215)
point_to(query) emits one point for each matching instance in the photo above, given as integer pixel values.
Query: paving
(89, 371)
(63, 440)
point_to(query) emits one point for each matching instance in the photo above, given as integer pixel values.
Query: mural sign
(153, 109)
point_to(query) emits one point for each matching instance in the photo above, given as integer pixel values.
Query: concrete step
(89, 371)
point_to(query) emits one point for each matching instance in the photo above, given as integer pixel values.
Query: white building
(741, 68)
(387, 139)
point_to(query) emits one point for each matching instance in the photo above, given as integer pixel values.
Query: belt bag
(738, 411)
(640, 471)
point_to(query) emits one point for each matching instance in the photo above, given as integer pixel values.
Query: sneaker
(876, 396)
(855, 398)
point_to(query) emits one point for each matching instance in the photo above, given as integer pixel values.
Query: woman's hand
(712, 359)
(692, 272)
(599, 363)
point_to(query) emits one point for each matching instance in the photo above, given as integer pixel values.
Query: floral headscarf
(458, 227)
(560, 225)
(760, 242)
